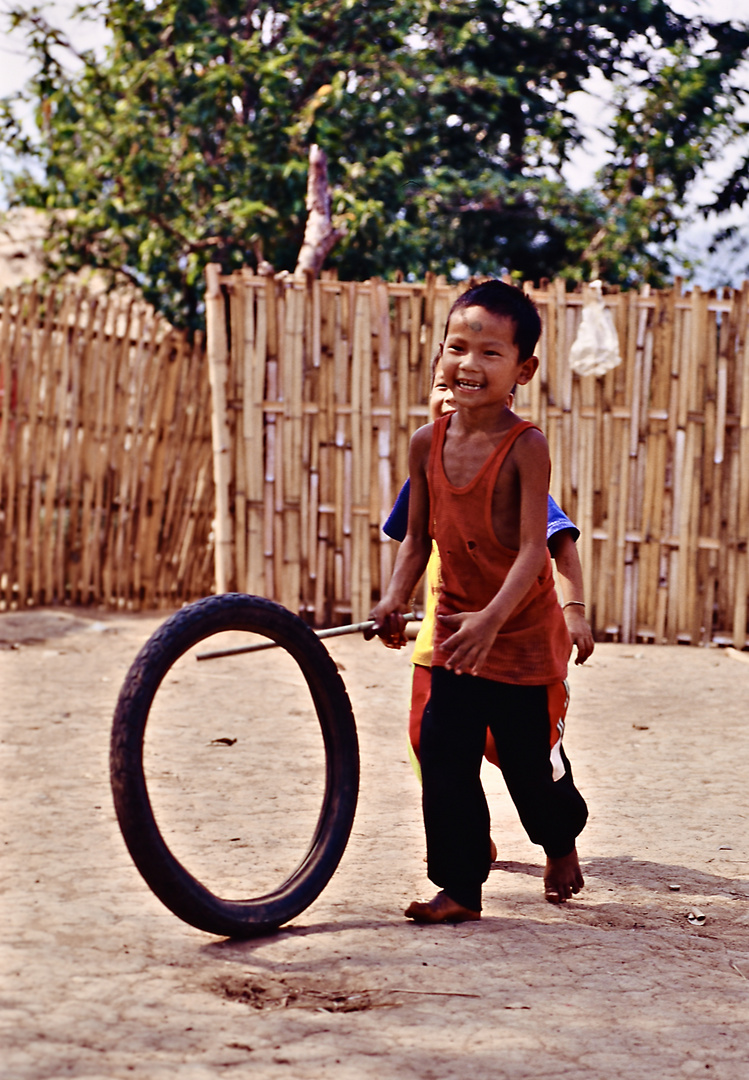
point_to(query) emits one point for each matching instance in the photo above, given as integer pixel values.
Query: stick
(450, 993)
(333, 631)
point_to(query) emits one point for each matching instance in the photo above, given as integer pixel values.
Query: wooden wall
(106, 485)
(107, 432)
(319, 384)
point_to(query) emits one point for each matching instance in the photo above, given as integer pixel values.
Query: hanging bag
(595, 350)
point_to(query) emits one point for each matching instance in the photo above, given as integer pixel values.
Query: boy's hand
(469, 646)
(389, 625)
(580, 632)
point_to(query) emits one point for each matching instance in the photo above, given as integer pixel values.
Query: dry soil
(101, 981)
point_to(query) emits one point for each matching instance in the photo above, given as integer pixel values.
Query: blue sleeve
(396, 525)
(558, 522)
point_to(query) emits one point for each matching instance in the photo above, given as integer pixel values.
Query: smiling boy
(479, 484)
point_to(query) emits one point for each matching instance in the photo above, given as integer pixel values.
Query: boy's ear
(527, 370)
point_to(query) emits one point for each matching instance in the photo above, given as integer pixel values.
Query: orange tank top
(533, 646)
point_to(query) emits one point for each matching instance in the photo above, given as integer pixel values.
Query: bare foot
(562, 878)
(440, 909)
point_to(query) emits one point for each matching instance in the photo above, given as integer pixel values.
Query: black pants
(456, 816)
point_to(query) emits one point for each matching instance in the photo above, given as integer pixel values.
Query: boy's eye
(440, 386)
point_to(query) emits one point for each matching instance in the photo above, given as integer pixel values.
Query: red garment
(533, 646)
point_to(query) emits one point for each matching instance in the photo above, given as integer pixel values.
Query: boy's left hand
(580, 633)
(469, 646)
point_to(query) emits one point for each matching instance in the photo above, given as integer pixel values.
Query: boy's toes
(555, 894)
(562, 878)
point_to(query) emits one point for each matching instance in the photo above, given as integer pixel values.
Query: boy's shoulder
(531, 435)
(421, 440)
(425, 431)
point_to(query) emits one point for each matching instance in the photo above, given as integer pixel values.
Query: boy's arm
(475, 631)
(564, 552)
(413, 553)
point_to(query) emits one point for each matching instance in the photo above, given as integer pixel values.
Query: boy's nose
(469, 362)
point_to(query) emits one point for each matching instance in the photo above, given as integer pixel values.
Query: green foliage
(446, 124)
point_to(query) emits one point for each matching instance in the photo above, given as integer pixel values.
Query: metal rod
(333, 631)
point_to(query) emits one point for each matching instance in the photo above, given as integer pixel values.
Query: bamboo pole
(253, 357)
(25, 418)
(66, 434)
(127, 389)
(90, 417)
(10, 443)
(742, 530)
(140, 460)
(48, 458)
(7, 570)
(361, 455)
(217, 354)
(41, 449)
(386, 425)
(236, 401)
(293, 422)
(279, 495)
(168, 359)
(108, 433)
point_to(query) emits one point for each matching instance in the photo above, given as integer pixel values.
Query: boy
(479, 484)
(561, 535)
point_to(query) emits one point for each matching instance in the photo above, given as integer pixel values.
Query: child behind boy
(479, 485)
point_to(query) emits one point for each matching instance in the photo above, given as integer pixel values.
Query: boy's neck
(487, 419)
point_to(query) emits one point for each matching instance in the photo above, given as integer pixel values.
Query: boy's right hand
(471, 642)
(389, 625)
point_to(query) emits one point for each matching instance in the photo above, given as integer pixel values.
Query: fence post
(217, 355)
(742, 531)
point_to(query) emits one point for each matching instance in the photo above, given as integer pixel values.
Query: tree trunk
(319, 234)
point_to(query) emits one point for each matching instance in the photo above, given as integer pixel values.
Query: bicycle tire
(168, 879)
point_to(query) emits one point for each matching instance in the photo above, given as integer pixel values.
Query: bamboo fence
(106, 485)
(318, 386)
(107, 435)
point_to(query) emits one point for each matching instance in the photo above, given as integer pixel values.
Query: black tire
(170, 881)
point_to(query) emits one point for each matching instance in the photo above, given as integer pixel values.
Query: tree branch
(319, 235)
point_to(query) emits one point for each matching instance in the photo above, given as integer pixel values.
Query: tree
(446, 125)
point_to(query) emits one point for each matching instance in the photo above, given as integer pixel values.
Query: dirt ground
(101, 981)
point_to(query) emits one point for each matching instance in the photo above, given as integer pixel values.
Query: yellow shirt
(422, 653)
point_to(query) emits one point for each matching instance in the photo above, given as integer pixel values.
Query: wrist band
(580, 603)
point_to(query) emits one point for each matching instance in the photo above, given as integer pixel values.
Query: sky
(591, 107)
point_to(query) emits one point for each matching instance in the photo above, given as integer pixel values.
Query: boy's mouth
(466, 384)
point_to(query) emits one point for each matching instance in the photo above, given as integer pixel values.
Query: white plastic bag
(595, 350)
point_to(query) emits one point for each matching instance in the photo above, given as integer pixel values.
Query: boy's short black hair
(501, 299)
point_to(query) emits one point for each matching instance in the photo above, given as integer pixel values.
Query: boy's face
(480, 360)
(441, 400)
